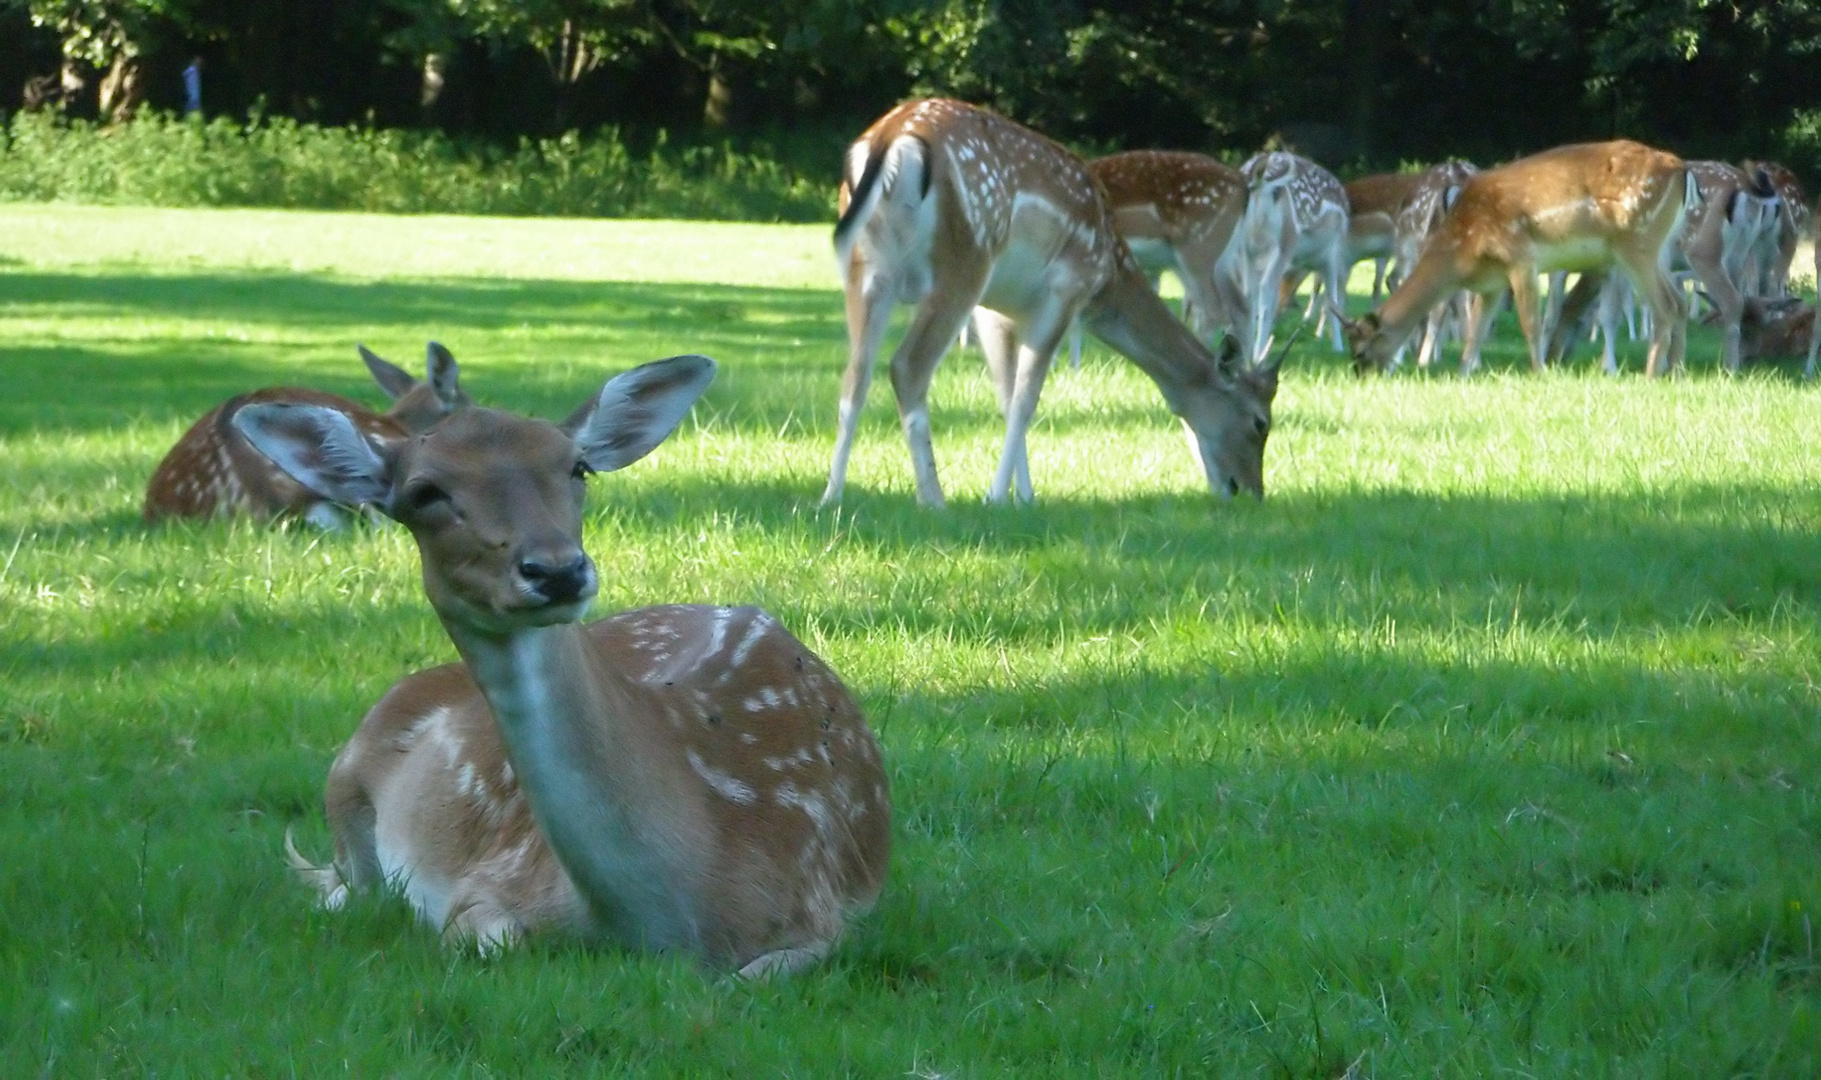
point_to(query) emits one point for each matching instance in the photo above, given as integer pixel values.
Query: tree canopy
(1359, 83)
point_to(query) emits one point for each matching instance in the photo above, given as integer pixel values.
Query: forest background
(1359, 85)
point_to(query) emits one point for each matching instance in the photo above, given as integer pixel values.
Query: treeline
(1355, 84)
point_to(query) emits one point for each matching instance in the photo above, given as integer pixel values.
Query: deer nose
(557, 581)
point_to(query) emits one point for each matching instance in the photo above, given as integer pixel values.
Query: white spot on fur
(723, 784)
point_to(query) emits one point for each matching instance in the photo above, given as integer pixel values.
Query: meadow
(1488, 744)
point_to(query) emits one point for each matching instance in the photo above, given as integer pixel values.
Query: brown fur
(1576, 207)
(950, 208)
(1187, 204)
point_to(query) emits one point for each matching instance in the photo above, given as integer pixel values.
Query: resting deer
(1580, 207)
(685, 778)
(951, 207)
(212, 471)
(1295, 219)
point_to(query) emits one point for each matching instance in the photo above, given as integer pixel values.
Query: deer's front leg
(1527, 300)
(1042, 332)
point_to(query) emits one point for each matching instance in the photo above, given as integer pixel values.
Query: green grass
(1488, 745)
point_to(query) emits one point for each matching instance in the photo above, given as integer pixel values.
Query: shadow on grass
(782, 349)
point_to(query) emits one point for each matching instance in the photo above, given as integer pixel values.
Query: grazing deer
(1428, 202)
(1176, 211)
(212, 471)
(1295, 219)
(1730, 211)
(685, 778)
(950, 207)
(1775, 328)
(1373, 206)
(1580, 207)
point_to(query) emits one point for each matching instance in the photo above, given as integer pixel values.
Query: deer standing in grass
(1731, 212)
(1295, 219)
(1176, 211)
(211, 471)
(950, 207)
(1429, 201)
(684, 778)
(1580, 207)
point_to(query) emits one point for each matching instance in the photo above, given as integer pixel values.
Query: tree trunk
(719, 105)
(121, 89)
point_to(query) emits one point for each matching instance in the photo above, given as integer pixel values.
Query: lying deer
(684, 778)
(213, 472)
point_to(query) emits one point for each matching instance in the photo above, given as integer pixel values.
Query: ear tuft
(638, 410)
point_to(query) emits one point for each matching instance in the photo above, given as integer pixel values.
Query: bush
(162, 160)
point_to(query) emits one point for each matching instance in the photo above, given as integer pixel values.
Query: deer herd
(695, 779)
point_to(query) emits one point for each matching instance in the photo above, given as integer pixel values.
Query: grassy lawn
(1488, 745)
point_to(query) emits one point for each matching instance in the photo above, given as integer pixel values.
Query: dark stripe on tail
(857, 210)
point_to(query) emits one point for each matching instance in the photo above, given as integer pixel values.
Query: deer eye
(1261, 426)
(425, 496)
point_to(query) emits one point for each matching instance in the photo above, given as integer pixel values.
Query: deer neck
(568, 726)
(1403, 311)
(1127, 315)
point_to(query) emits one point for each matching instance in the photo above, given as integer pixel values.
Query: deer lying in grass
(684, 778)
(211, 471)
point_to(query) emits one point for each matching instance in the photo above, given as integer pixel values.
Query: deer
(1731, 210)
(1584, 206)
(1427, 203)
(212, 472)
(950, 207)
(1296, 219)
(680, 778)
(1772, 257)
(1176, 211)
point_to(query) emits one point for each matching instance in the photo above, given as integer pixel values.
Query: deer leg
(869, 309)
(1476, 323)
(999, 339)
(939, 318)
(1338, 269)
(1711, 271)
(1526, 300)
(1042, 332)
(1662, 298)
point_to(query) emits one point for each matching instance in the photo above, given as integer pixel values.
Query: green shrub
(162, 160)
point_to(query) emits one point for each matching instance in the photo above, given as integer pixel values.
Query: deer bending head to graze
(1580, 207)
(950, 207)
(211, 471)
(1295, 219)
(685, 778)
(1177, 211)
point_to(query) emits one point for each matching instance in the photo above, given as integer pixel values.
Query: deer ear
(320, 449)
(638, 410)
(394, 380)
(445, 376)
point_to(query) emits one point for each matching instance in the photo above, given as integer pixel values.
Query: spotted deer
(676, 778)
(1373, 205)
(1776, 252)
(1295, 219)
(212, 472)
(1428, 202)
(950, 207)
(1580, 207)
(1731, 211)
(1176, 211)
